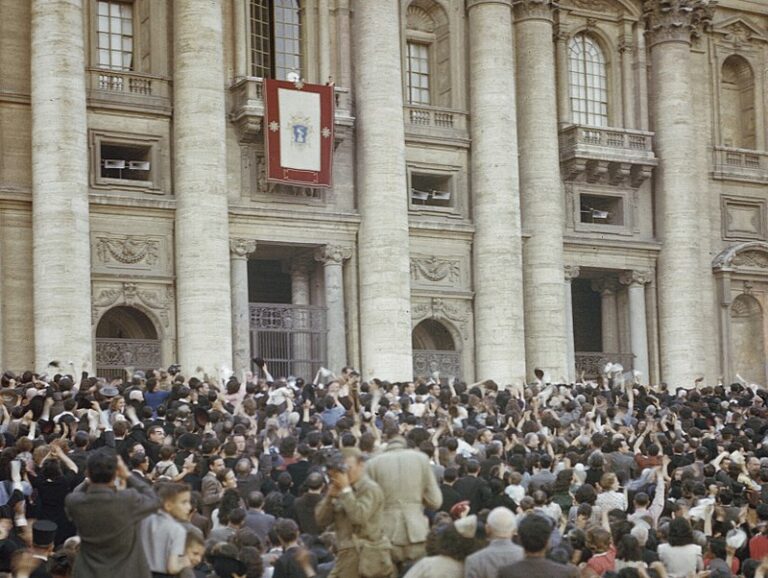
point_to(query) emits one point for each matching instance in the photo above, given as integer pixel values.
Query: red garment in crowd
(602, 563)
(758, 547)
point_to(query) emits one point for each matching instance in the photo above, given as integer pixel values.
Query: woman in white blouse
(680, 556)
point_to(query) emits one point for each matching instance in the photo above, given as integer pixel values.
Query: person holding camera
(354, 504)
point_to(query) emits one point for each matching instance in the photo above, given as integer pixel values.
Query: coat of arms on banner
(299, 139)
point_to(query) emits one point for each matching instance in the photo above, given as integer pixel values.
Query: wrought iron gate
(292, 338)
(426, 362)
(114, 355)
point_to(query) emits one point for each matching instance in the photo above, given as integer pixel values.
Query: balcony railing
(247, 106)
(114, 355)
(125, 88)
(740, 164)
(592, 363)
(613, 155)
(437, 122)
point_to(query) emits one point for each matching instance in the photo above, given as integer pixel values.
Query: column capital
(635, 277)
(677, 20)
(561, 32)
(571, 272)
(333, 254)
(472, 3)
(535, 10)
(241, 248)
(605, 285)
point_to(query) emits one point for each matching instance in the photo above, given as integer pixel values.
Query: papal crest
(300, 128)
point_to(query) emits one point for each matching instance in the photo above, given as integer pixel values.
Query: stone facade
(518, 184)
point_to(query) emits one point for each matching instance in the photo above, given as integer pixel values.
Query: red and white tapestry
(298, 128)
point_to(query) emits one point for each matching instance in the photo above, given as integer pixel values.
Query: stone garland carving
(128, 250)
(129, 294)
(677, 20)
(435, 269)
(751, 259)
(438, 308)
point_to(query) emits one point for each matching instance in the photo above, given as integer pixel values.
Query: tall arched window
(588, 81)
(275, 38)
(427, 55)
(737, 104)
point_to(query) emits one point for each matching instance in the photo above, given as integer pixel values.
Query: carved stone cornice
(635, 277)
(571, 272)
(241, 248)
(605, 285)
(535, 10)
(677, 20)
(333, 254)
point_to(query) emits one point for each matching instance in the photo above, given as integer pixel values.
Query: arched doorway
(434, 351)
(748, 339)
(126, 337)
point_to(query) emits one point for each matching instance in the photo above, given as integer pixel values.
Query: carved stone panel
(456, 311)
(744, 218)
(156, 300)
(431, 270)
(139, 254)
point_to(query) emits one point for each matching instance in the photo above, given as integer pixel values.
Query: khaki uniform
(356, 516)
(409, 485)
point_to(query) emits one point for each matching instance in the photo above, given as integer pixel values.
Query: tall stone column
(301, 295)
(638, 330)
(203, 299)
(497, 248)
(324, 40)
(542, 196)
(607, 287)
(571, 273)
(383, 254)
(343, 40)
(61, 250)
(332, 257)
(670, 26)
(240, 249)
(626, 49)
(240, 23)
(563, 83)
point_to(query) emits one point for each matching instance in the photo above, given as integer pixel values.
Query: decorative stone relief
(677, 20)
(436, 269)
(241, 248)
(635, 277)
(333, 254)
(456, 311)
(744, 217)
(130, 250)
(571, 272)
(751, 260)
(157, 299)
(595, 5)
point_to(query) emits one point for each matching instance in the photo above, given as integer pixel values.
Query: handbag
(375, 558)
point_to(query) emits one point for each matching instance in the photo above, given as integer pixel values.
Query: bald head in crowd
(501, 524)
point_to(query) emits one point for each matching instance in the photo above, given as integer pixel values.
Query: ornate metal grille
(114, 355)
(292, 338)
(592, 363)
(426, 362)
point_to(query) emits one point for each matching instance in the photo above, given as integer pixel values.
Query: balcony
(247, 108)
(612, 156)
(591, 364)
(435, 123)
(740, 165)
(125, 89)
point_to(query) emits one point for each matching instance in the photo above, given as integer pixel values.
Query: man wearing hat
(354, 504)
(43, 534)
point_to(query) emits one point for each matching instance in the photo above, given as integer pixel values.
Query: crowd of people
(175, 473)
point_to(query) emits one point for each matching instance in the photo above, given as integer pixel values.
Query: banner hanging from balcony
(298, 129)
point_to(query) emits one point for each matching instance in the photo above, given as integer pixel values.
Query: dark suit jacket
(476, 490)
(450, 497)
(108, 524)
(535, 567)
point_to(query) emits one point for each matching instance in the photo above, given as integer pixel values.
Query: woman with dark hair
(455, 542)
(629, 553)
(56, 478)
(561, 489)
(229, 501)
(680, 556)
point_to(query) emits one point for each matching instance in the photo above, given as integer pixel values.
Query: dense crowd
(169, 473)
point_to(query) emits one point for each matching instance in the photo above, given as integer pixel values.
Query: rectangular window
(115, 35)
(126, 162)
(275, 38)
(418, 73)
(431, 190)
(602, 210)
